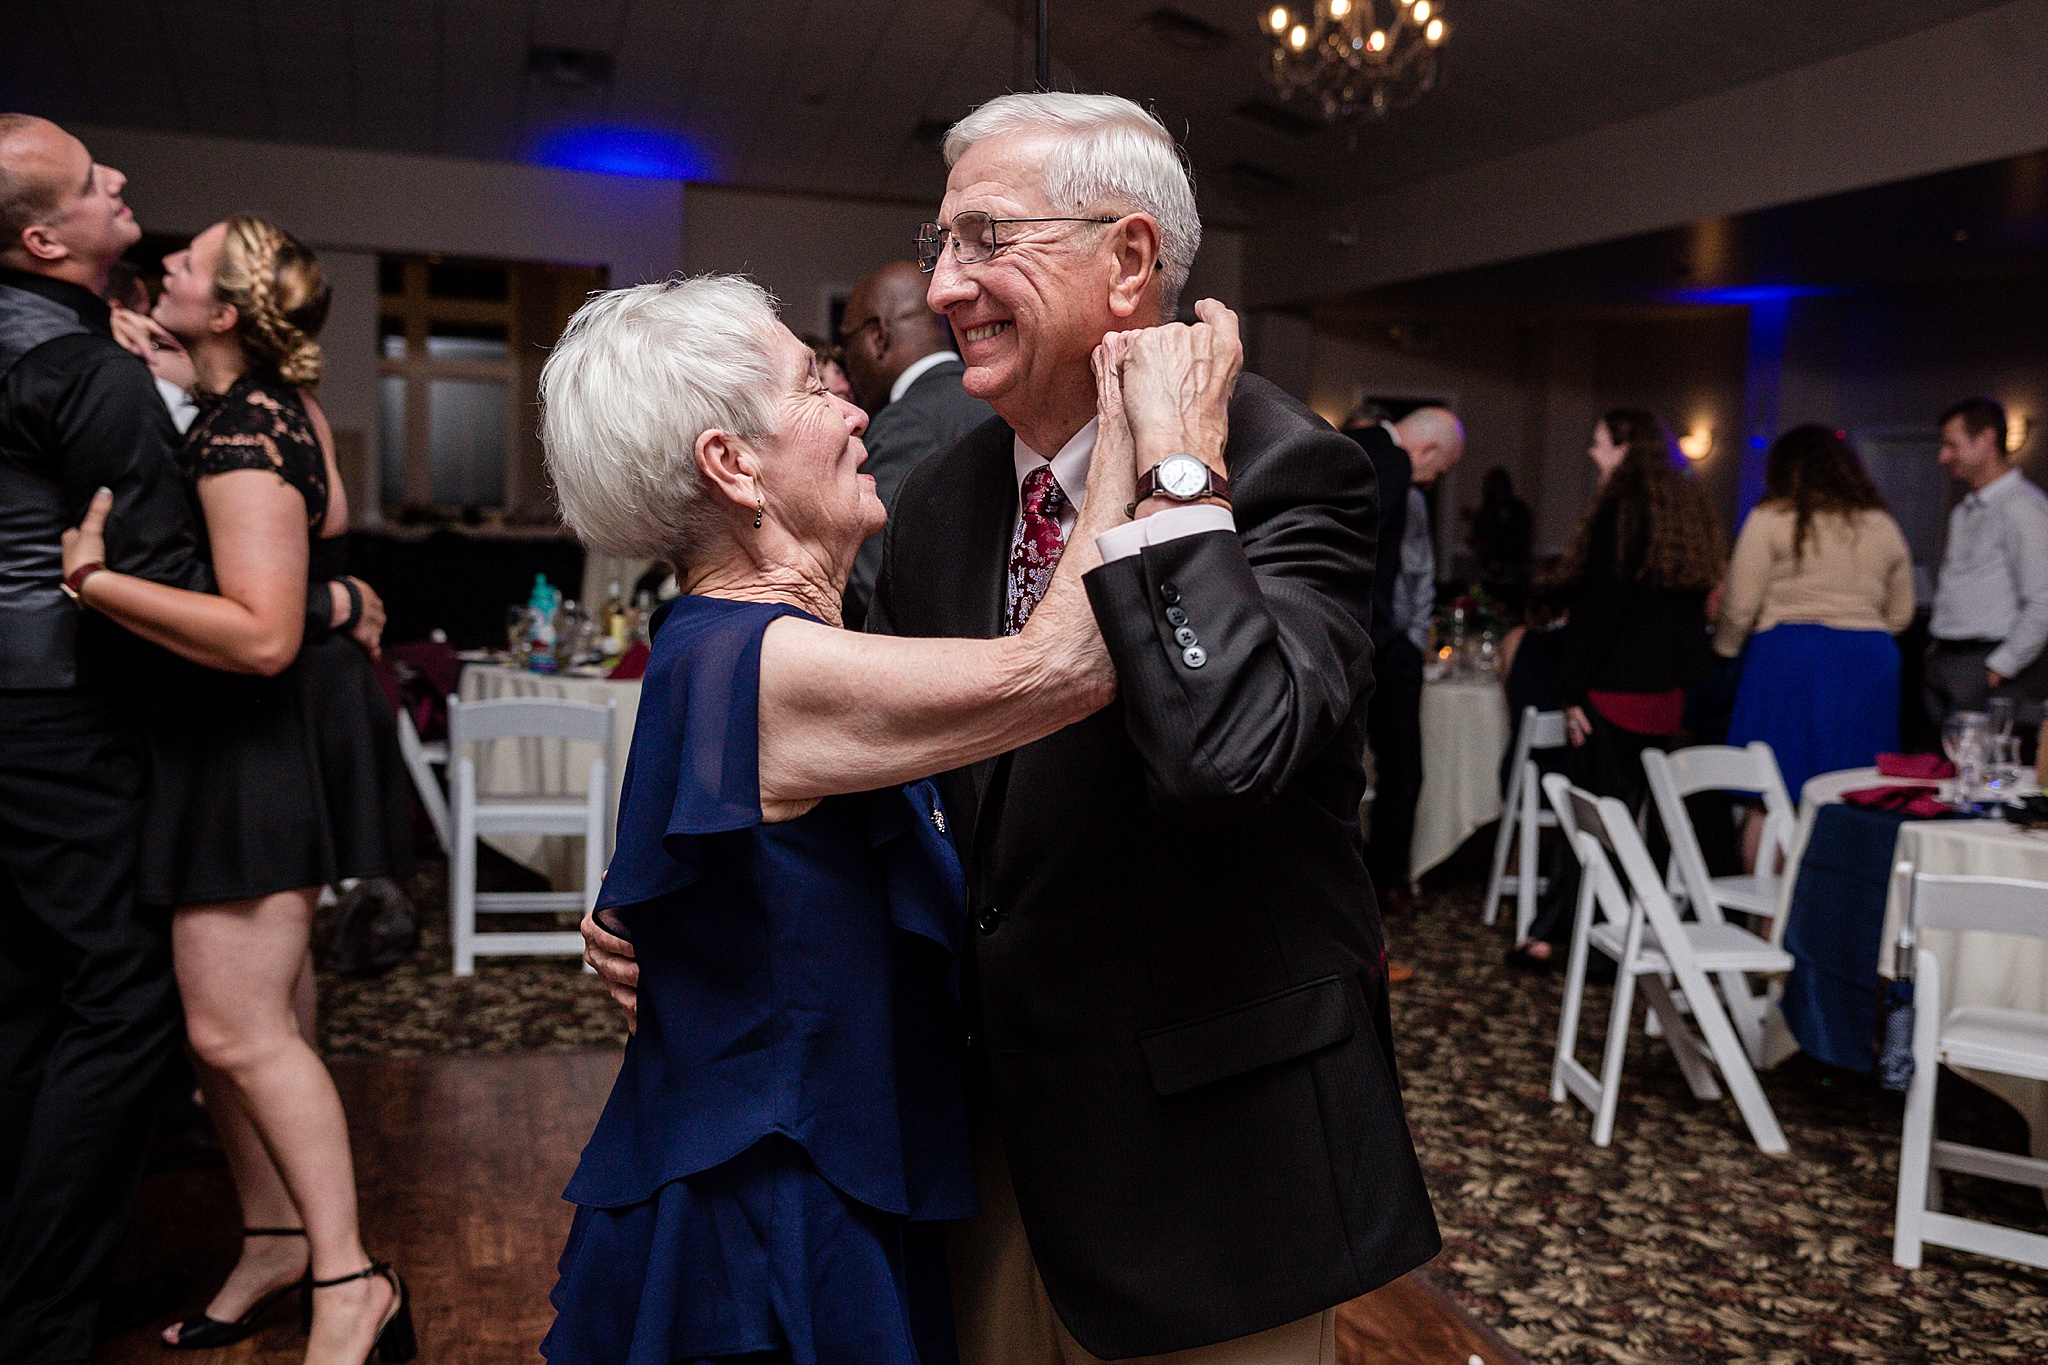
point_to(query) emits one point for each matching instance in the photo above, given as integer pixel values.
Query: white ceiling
(829, 95)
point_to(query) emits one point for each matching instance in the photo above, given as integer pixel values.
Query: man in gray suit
(905, 372)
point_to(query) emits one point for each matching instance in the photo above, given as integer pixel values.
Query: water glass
(2001, 771)
(1998, 716)
(518, 624)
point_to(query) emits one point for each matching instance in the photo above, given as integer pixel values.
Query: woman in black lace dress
(275, 771)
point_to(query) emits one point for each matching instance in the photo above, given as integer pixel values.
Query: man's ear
(1134, 261)
(728, 466)
(39, 243)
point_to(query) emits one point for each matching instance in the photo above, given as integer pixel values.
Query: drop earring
(760, 506)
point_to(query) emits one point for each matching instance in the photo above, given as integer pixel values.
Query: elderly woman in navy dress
(788, 1129)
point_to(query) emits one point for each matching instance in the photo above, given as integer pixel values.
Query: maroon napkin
(1931, 767)
(1919, 803)
(632, 664)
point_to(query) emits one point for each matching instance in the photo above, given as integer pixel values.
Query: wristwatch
(75, 580)
(1182, 478)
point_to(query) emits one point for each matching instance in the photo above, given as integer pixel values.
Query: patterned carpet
(1679, 1243)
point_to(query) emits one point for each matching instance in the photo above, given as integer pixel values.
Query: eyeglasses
(846, 337)
(974, 237)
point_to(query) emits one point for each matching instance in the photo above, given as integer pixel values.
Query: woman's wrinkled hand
(613, 959)
(1112, 469)
(1177, 382)
(86, 543)
(162, 352)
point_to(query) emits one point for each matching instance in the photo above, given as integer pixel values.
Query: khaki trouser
(1004, 1317)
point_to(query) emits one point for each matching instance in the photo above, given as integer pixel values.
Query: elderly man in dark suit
(1192, 1139)
(906, 373)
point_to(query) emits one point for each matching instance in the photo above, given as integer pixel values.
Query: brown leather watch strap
(75, 580)
(1218, 486)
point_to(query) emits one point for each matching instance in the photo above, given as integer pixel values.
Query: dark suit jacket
(933, 412)
(1182, 989)
(1394, 472)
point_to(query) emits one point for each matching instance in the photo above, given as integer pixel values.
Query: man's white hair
(638, 375)
(1107, 153)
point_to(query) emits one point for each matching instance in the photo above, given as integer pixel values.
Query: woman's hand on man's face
(1176, 385)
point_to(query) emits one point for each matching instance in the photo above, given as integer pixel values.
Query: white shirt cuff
(1121, 542)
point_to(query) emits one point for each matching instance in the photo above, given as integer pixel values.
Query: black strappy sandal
(395, 1343)
(202, 1333)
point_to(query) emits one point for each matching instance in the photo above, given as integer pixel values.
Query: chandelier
(1351, 60)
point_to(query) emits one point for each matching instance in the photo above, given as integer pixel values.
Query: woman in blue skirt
(1820, 583)
(787, 1130)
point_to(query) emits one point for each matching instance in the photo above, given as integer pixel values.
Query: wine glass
(1962, 739)
(518, 625)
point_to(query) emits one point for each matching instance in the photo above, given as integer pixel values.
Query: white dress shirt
(1070, 471)
(1994, 574)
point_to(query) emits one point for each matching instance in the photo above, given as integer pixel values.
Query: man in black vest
(88, 1010)
(1192, 1134)
(906, 373)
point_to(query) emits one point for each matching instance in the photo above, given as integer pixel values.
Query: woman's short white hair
(1109, 153)
(638, 375)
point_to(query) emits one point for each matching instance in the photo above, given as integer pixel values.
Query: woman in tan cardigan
(1820, 583)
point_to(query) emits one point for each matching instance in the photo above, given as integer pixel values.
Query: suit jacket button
(1169, 594)
(991, 920)
(1176, 617)
(1194, 656)
(1184, 637)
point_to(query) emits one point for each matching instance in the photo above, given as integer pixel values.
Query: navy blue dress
(789, 1123)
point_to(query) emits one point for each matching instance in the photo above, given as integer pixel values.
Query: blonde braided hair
(278, 293)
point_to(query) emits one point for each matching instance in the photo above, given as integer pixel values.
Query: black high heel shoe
(395, 1343)
(202, 1333)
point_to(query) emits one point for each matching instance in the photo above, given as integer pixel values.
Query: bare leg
(1752, 838)
(266, 1262)
(240, 970)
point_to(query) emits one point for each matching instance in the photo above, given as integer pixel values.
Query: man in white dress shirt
(1990, 624)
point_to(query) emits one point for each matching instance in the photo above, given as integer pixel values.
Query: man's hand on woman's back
(612, 958)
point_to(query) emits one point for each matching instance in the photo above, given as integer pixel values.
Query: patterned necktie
(1035, 551)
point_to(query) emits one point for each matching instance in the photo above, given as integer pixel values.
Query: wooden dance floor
(461, 1162)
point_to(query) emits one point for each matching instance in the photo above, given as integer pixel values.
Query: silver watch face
(1183, 476)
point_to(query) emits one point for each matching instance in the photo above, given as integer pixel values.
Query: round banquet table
(2002, 971)
(548, 767)
(1464, 733)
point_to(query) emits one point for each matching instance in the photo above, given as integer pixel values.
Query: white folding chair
(420, 760)
(1721, 767)
(471, 723)
(1521, 819)
(2008, 1042)
(1636, 924)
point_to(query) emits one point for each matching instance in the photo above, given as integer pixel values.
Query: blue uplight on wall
(1751, 294)
(640, 152)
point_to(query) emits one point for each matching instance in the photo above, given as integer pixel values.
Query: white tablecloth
(1465, 731)
(2003, 971)
(549, 767)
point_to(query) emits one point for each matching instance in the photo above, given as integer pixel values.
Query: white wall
(1956, 94)
(351, 205)
(803, 248)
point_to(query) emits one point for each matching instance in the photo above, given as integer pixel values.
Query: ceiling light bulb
(1278, 19)
(1421, 11)
(1698, 443)
(2015, 434)
(1339, 8)
(1298, 39)
(1378, 41)
(1435, 31)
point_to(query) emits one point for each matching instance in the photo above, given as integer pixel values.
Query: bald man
(1434, 442)
(900, 358)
